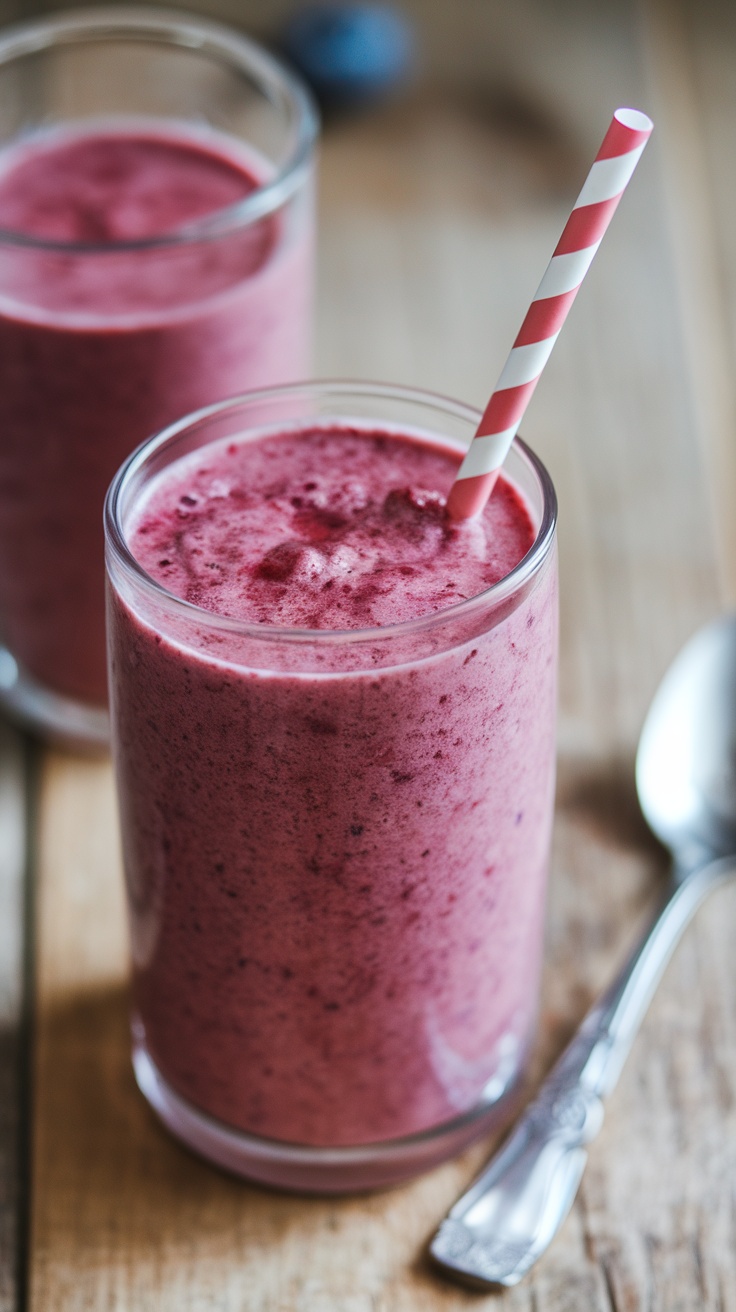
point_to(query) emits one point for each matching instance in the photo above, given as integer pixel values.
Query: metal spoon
(686, 783)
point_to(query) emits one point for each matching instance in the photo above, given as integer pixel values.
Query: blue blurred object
(350, 53)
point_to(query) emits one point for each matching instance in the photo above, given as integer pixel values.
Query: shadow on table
(135, 1216)
(608, 872)
(600, 794)
(99, 1140)
(115, 1194)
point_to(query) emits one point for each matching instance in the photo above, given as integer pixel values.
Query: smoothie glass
(105, 339)
(335, 843)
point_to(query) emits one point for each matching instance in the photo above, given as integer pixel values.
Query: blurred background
(442, 197)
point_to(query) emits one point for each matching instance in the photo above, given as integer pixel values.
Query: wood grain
(438, 215)
(689, 50)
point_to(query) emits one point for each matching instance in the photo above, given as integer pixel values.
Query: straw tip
(634, 119)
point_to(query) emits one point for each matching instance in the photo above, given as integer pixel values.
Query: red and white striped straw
(602, 190)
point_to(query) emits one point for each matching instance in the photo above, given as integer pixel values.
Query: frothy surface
(114, 186)
(324, 529)
(91, 191)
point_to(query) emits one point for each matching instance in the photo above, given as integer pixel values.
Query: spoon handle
(511, 1213)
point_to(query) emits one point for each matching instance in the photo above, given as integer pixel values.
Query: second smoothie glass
(102, 342)
(335, 843)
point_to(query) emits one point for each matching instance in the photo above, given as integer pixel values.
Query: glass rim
(497, 593)
(189, 32)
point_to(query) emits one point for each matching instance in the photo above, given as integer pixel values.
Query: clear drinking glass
(335, 843)
(112, 327)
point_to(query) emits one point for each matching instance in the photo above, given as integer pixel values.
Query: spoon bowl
(686, 761)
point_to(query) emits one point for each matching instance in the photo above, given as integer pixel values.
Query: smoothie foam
(101, 344)
(336, 877)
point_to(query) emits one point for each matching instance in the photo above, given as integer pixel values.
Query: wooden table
(438, 214)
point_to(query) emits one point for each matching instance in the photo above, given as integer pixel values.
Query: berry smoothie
(335, 842)
(110, 327)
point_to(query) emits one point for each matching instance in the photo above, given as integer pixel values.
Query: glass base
(49, 714)
(305, 1169)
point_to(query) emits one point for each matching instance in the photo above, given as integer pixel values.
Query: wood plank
(438, 216)
(690, 55)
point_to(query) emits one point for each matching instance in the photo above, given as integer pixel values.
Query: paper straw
(602, 190)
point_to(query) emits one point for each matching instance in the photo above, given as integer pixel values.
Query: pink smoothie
(336, 875)
(102, 345)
